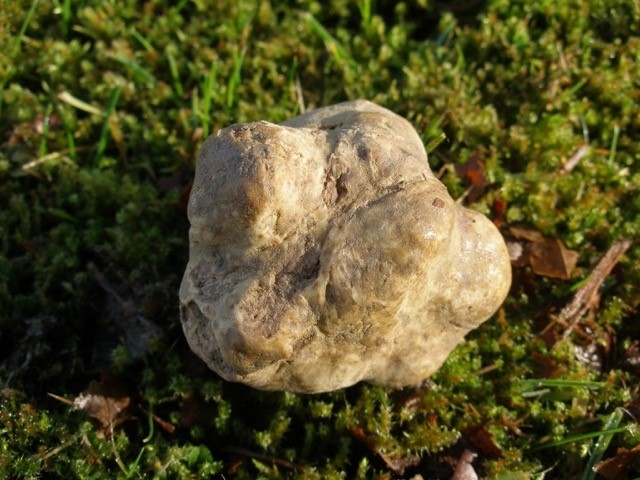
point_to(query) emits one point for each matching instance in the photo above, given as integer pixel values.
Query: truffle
(323, 252)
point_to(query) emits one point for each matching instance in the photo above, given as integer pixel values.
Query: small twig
(166, 426)
(54, 451)
(51, 156)
(66, 401)
(116, 454)
(265, 458)
(397, 466)
(583, 298)
(464, 195)
(487, 369)
(574, 159)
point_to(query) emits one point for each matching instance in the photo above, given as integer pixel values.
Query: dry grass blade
(574, 159)
(583, 298)
(263, 457)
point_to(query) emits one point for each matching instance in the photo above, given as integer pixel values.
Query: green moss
(93, 234)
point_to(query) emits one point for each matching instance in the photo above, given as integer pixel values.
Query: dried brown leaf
(243, 452)
(618, 467)
(396, 465)
(499, 210)
(550, 258)
(472, 171)
(546, 367)
(105, 401)
(482, 441)
(547, 256)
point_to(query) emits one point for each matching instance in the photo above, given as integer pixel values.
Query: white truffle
(324, 252)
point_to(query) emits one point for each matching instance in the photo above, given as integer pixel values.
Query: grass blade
(614, 144)
(139, 72)
(602, 444)
(104, 135)
(16, 47)
(572, 91)
(365, 8)
(68, 131)
(530, 384)
(331, 43)
(175, 73)
(433, 143)
(66, 97)
(143, 41)
(23, 28)
(207, 87)
(66, 17)
(235, 79)
(43, 136)
(578, 438)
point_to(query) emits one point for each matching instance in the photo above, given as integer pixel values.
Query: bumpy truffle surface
(323, 252)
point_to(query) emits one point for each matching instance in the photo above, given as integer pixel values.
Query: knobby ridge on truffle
(323, 252)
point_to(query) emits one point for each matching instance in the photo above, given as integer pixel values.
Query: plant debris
(537, 100)
(574, 159)
(482, 441)
(396, 465)
(586, 298)
(546, 256)
(618, 466)
(472, 171)
(107, 402)
(464, 469)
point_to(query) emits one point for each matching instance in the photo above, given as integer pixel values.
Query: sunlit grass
(106, 126)
(103, 108)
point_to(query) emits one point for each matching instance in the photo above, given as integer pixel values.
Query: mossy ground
(103, 107)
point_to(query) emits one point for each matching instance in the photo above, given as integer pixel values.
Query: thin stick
(574, 159)
(265, 458)
(583, 297)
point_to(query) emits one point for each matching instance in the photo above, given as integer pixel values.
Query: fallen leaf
(472, 171)
(243, 452)
(546, 256)
(550, 258)
(106, 402)
(547, 367)
(482, 441)
(396, 465)
(618, 467)
(499, 210)
(549, 335)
